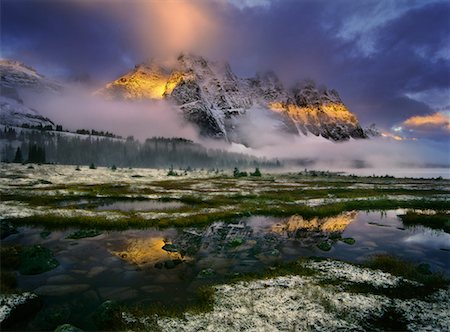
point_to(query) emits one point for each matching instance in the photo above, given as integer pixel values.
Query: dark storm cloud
(375, 53)
(64, 38)
(302, 39)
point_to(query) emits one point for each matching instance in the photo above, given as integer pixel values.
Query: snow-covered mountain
(216, 100)
(15, 78)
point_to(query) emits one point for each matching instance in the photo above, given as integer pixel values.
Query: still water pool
(166, 266)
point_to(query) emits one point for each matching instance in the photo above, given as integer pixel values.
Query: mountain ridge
(211, 96)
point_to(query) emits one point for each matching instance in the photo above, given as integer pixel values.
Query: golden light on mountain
(330, 224)
(146, 251)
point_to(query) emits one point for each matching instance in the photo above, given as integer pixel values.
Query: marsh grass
(198, 216)
(435, 221)
(428, 282)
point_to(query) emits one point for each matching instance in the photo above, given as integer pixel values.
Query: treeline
(156, 152)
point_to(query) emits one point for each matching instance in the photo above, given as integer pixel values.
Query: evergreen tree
(18, 157)
(256, 172)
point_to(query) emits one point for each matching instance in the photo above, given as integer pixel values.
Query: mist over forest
(83, 148)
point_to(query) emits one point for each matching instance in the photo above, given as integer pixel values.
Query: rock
(15, 308)
(212, 97)
(107, 315)
(36, 260)
(159, 265)
(67, 328)
(61, 290)
(170, 247)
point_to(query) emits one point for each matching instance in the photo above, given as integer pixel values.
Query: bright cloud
(438, 120)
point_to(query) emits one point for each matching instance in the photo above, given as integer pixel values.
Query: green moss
(36, 260)
(348, 240)
(324, 246)
(236, 242)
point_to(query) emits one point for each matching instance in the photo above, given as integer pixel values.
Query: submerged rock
(67, 328)
(107, 314)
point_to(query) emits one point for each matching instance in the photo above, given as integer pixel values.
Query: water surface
(132, 267)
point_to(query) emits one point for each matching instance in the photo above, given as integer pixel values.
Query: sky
(389, 60)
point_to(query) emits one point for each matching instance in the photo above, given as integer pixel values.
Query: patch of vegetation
(200, 214)
(420, 273)
(324, 246)
(297, 267)
(36, 259)
(172, 172)
(257, 172)
(390, 320)
(428, 282)
(239, 174)
(236, 242)
(435, 221)
(348, 240)
(83, 233)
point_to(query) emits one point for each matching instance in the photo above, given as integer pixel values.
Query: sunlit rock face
(145, 81)
(216, 100)
(16, 77)
(296, 223)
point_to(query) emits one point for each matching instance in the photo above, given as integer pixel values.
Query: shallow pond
(166, 266)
